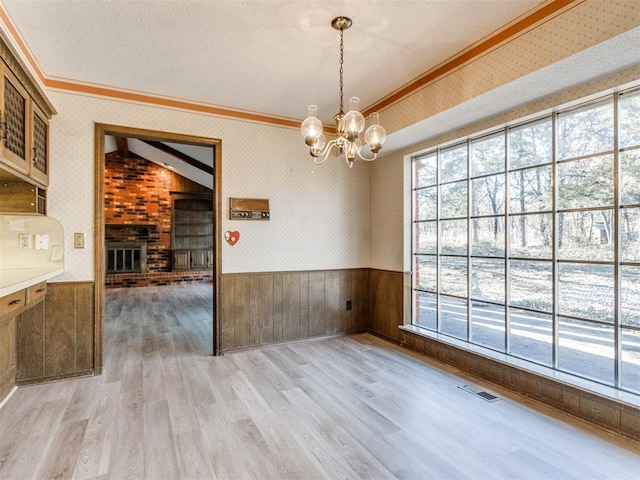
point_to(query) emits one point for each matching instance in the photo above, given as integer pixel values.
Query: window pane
(425, 237)
(587, 349)
(630, 177)
(586, 235)
(586, 183)
(425, 275)
(530, 190)
(487, 235)
(586, 291)
(488, 195)
(425, 313)
(530, 144)
(630, 230)
(453, 163)
(630, 372)
(532, 336)
(488, 325)
(487, 279)
(629, 119)
(425, 170)
(487, 155)
(426, 206)
(453, 317)
(585, 131)
(630, 293)
(453, 237)
(453, 200)
(453, 276)
(531, 236)
(531, 285)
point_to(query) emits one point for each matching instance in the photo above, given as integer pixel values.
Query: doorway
(150, 136)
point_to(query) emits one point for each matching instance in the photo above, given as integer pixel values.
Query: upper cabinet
(14, 105)
(24, 122)
(39, 168)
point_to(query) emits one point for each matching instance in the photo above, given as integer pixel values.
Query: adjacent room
(280, 239)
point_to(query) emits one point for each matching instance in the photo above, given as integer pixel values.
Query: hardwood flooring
(349, 407)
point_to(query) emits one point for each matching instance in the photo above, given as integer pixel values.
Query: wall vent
(478, 392)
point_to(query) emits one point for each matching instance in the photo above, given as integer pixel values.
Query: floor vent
(480, 393)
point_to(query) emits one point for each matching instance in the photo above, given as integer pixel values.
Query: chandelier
(349, 125)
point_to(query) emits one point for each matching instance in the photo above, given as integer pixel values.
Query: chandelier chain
(341, 68)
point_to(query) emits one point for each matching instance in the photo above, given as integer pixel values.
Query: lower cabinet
(7, 355)
(192, 259)
(54, 339)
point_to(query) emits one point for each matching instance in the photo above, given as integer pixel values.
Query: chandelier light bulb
(375, 134)
(316, 149)
(311, 128)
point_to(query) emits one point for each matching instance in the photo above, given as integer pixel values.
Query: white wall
(319, 214)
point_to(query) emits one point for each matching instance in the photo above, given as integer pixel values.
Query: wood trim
(180, 156)
(504, 35)
(99, 219)
(543, 13)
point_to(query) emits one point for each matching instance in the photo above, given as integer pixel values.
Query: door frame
(99, 218)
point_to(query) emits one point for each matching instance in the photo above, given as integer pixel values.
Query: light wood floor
(351, 407)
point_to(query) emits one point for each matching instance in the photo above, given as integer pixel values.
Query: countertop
(16, 279)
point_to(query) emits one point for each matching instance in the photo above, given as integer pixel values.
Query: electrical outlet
(78, 240)
(41, 241)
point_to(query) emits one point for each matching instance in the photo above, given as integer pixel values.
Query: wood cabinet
(192, 232)
(7, 354)
(24, 127)
(12, 307)
(192, 259)
(54, 338)
(21, 197)
(15, 106)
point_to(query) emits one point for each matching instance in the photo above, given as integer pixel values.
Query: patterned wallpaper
(319, 214)
(322, 216)
(580, 27)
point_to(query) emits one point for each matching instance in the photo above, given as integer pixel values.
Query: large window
(527, 241)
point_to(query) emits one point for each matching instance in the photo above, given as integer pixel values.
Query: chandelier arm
(371, 159)
(324, 153)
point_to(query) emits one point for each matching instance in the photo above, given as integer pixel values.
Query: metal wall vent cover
(478, 392)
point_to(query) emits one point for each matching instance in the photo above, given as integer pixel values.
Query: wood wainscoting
(386, 303)
(268, 308)
(54, 339)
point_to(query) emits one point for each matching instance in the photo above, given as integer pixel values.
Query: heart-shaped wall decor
(232, 237)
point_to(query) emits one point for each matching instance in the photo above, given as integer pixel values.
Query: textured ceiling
(265, 56)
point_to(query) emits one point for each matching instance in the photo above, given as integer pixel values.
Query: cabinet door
(199, 259)
(7, 355)
(15, 121)
(210, 259)
(181, 260)
(39, 168)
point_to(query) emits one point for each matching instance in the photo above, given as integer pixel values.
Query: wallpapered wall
(581, 27)
(319, 214)
(322, 216)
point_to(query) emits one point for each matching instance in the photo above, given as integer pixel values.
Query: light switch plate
(78, 240)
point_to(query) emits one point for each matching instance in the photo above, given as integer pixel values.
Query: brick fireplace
(138, 208)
